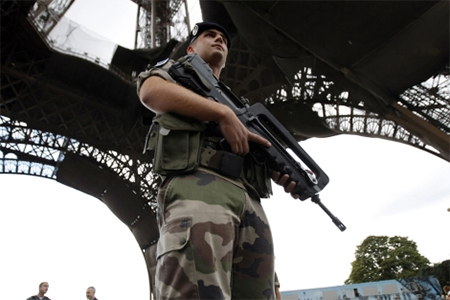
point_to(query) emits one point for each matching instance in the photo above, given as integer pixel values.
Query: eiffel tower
(376, 69)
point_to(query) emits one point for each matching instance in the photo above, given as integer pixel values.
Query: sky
(51, 232)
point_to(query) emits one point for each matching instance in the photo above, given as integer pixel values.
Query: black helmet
(200, 27)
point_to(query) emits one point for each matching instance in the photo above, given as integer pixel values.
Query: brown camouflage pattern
(215, 240)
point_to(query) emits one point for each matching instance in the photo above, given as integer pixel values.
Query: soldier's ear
(190, 49)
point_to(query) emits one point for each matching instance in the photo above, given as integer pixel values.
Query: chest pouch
(177, 142)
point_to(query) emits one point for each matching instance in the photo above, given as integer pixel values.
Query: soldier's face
(211, 46)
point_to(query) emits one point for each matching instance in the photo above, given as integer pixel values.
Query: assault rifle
(193, 73)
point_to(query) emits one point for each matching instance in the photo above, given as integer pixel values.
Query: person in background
(43, 288)
(277, 288)
(446, 295)
(90, 293)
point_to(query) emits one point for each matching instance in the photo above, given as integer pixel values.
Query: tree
(441, 271)
(383, 258)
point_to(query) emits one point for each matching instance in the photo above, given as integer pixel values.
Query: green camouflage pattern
(215, 241)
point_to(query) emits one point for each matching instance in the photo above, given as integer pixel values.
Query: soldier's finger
(258, 139)
(282, 181)
(295, 196)
(275, 176)
(290, 187)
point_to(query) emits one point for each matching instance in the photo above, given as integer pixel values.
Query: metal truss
(343, 114)
(17, 156)
(54, 120)
(157, 21)
(430, 100)
(340, 111)
(47, 13)
(24, 150)
(160, 21)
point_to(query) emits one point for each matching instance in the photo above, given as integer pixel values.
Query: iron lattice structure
(77, 120)
(37, 152)
(82, 128)
(47, 13)
(338, 109)
(428, 101)
(160, 21)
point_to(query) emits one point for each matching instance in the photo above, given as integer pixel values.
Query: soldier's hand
(283, 181)
(238, 136)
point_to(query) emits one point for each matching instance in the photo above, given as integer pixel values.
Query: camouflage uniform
(215, 240)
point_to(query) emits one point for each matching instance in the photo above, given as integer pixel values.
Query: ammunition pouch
(180, 146)
(223, 162)
(258, 175)
(253, 171)
(176, 141)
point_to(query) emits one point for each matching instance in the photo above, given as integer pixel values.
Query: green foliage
(383, 258)
(441, 271)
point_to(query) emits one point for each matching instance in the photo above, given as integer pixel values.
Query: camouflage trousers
(215, 241)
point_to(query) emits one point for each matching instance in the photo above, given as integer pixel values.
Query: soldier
(215, 240)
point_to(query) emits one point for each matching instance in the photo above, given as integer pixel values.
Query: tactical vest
(182, 144)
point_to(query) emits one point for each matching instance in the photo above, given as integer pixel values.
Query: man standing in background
(90, 293)
(43, 288)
